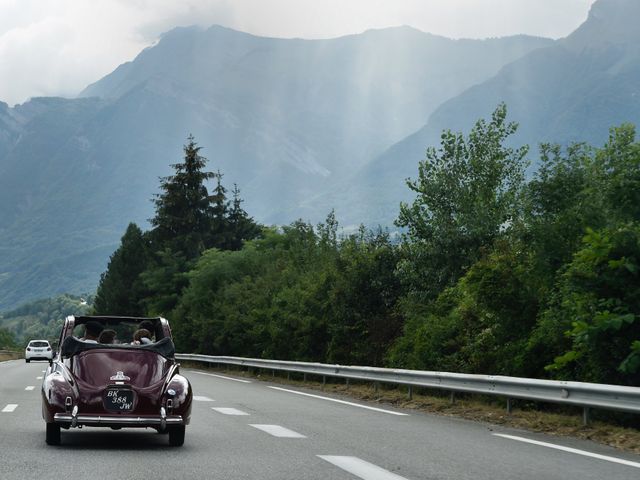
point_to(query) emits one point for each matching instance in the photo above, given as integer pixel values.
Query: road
(249, 429)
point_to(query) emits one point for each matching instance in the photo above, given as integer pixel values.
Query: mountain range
(302, 126)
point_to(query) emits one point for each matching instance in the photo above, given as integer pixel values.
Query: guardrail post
(288, 375)
(585, 416)
(346, 382)
(410, 392)
(452, 398)
(509, 406)
(376, 387)
(324, 381)
(273, 373)
(304, 376)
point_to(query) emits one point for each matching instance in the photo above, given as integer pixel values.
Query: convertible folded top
(73, 346)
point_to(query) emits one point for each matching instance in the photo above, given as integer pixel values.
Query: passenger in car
(141, 337)
(107, 336)
(148, 325)
(92, 331)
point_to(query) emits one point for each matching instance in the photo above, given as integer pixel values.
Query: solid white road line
(222, 376)
(570, 450)
(341, 401)
(29, 388)
(278, 431)
(229, 411)
(360, 468)
(10, 408)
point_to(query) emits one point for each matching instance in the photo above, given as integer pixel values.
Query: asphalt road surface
(243, 429)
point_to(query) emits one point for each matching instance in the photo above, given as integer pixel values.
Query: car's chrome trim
(163, 418)
(117, 420)
(74, 416)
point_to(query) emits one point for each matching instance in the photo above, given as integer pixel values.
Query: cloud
(58, 47)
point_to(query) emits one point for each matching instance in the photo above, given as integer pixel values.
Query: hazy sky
(57, 47)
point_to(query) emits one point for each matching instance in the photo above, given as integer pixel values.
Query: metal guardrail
(586, 395)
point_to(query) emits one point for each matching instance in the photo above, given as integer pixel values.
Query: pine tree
(241, 226)
(120, 290)
(184, 210)
(219, 235)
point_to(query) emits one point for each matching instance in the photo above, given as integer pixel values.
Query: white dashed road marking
(360, 468)
(200, 398)
(570, 450)
(278, 431)
(229, 411)
(222, 376)
(30, 387)
(38, 378)
(10, 408)
(341, 401)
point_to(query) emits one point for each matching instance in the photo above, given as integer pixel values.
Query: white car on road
(38, 350)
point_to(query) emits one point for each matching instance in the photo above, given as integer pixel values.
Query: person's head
(140, 334)
(147, 325)
(107, 336)
(92, 330)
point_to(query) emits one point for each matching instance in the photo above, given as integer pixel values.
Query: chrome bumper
(120, 420)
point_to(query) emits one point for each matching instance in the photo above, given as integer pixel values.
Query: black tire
(27, 360)
(53, 434)
(176, 435)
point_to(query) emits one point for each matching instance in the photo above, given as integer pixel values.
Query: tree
(6, 339)
(241, 226)
(467, 193)
(121, 290)
(599, 304)
(184, 212)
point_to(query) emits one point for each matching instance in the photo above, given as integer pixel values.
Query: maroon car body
(116, 385)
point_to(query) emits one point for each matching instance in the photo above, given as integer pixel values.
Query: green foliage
(148, 272)
(183, 218)
(121, 288)
(535, 293)
(43, 318)
(299, 293)
(7, 342)
(600, 293)
(493, 274)
(481, 324)
(466, 195)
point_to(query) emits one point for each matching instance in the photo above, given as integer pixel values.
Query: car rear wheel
(53, 434)
(176, 435)
(27, 360)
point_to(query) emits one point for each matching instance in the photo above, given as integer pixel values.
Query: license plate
(118, 400)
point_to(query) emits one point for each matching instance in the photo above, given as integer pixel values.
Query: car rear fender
(57, 386)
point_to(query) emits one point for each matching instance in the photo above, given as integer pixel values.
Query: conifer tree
(120, 290)
(241, 226)
(184, 209)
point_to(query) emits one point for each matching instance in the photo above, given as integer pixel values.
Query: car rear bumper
(67, 419)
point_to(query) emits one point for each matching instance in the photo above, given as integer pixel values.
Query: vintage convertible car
(116, 384)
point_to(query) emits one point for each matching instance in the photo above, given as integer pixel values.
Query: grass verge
(9, 356)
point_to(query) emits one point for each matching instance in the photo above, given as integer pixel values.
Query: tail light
(48, 349)
(28, 349)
